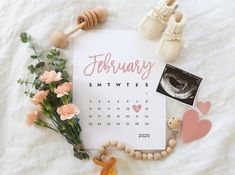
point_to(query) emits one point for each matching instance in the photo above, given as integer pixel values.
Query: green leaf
(37, 84)
(31, 68)
(65, 75)
(40, 64)
(55, 52)
(49, 57)
(24, 38)
(31, 94)
(34, 56)
(21, 82)
(38, 71)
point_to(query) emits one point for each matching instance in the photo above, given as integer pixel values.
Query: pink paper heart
(204, 107)
(192, 128)
(136, 108)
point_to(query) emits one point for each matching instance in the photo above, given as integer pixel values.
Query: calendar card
(115, 76)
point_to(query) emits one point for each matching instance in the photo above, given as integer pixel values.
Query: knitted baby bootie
(171, 42)
(153, 24)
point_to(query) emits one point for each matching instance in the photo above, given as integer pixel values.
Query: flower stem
(34, 49)
(52, 86)
(52, 128)
(64, 99)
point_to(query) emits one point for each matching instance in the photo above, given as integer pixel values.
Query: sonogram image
(178, 84)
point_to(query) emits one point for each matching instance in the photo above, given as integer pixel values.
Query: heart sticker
(136, 108)
(192, 128)
(203, 107)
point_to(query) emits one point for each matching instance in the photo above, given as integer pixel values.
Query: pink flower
(67, 111)
(63, 89)
(32, 117)
(39, 97)
(38, 108)
(51, 76)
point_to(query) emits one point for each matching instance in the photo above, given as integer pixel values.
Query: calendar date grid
(100, 112)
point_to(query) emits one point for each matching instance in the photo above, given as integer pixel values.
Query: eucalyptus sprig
(48, 96)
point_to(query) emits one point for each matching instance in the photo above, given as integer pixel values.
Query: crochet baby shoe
(171, 42)
(153, 24)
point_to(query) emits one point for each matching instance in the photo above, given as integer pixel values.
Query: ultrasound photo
(179, 85)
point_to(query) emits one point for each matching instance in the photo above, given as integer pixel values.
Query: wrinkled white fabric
(210, 54)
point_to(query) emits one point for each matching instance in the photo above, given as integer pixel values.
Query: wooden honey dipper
(85, 21)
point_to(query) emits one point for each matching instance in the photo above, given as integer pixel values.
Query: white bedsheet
(210, 33)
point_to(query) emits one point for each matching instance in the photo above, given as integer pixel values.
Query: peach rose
(51, 76)
(63, 89)
(32, 117)
(39, 97)
(67, 111)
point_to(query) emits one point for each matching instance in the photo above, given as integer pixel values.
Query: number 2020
(144, 135)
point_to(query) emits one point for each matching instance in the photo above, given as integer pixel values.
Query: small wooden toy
(85, 21)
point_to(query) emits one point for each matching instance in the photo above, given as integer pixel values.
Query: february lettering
(104, 63)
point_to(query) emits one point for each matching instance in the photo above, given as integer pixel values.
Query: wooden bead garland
(138, 154)
(173, 124)
(85, 21)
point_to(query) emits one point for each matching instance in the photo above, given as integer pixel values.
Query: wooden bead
(113, 143)
(132, 153)
(172, 143)
(101, 150)
(107, 144)
(101, 12)
(157, 156)
(150, 156)
(144, 156)
(98, 155)
(164, 154)
(137, 155)
(103, 158)
(174, 123)
(120, 146)
(59, 39)
(168, 150)
(127, 149)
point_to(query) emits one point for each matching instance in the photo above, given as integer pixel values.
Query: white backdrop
(210, 33)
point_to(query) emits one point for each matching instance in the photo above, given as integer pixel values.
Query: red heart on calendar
(136, 108)
(192, 128)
